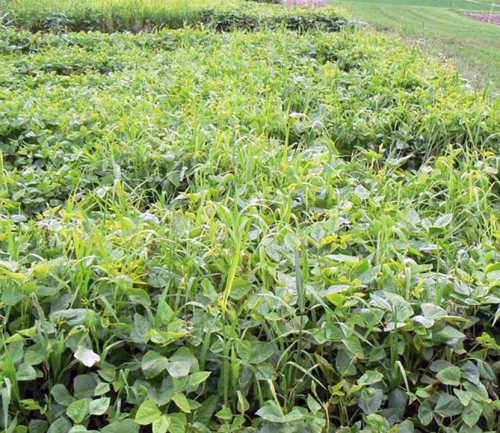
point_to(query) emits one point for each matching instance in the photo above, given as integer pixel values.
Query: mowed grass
(267, 230)
(442, 27)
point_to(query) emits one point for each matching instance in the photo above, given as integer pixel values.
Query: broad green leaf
(225, 414)
(205, 413)
(78, 410)
(60, 425)
(84, 386)
(271, 412)
(123, 426)
(400, 307)
(181, 363)
(102, 388)
(178, 423)
(449, 333)
(25, 373)
(378, 422)
(162, 424)
(425, 413)
(148, 413)
(486, 372)
(30, 404)
(197, 378)
(370, 377)
(472, 413)
(370, 275)
(405, 427)
(432, 311)
(182, 402)
(398, 401)
(81, 429)
(139, 296)
(470, 372)
(38, 426)
(370, 400)
(478, 391)
(293, 416)
(448, 405)
(353, 345)
(450, 376)
(164, 394)
(313, 405)
(178, 369)
(474, 429)
(260, 352)
(443, 221)
(12, 295)
(32, 357)
(153, 364)
(73, 317)
(99, 406)
(140, 329)
(464, 396)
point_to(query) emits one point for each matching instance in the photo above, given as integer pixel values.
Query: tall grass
(106, 15)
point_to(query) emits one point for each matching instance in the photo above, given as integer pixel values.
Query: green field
(241, 218)
(442, 27)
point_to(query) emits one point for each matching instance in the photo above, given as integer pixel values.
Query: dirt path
(485, 18)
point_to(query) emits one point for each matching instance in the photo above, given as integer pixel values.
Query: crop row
(138, 17)
(155, 107)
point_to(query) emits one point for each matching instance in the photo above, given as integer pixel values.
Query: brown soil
(486, 18)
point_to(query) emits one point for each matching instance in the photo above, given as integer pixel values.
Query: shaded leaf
(153, 364)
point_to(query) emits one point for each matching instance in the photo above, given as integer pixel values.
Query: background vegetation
(276, 221)
(443, 27)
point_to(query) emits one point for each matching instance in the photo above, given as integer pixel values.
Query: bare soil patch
(486, 18)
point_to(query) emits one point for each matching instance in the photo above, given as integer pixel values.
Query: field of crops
(260, 220)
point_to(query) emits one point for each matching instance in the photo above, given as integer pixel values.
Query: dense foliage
(277, 231)
(139, 17)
